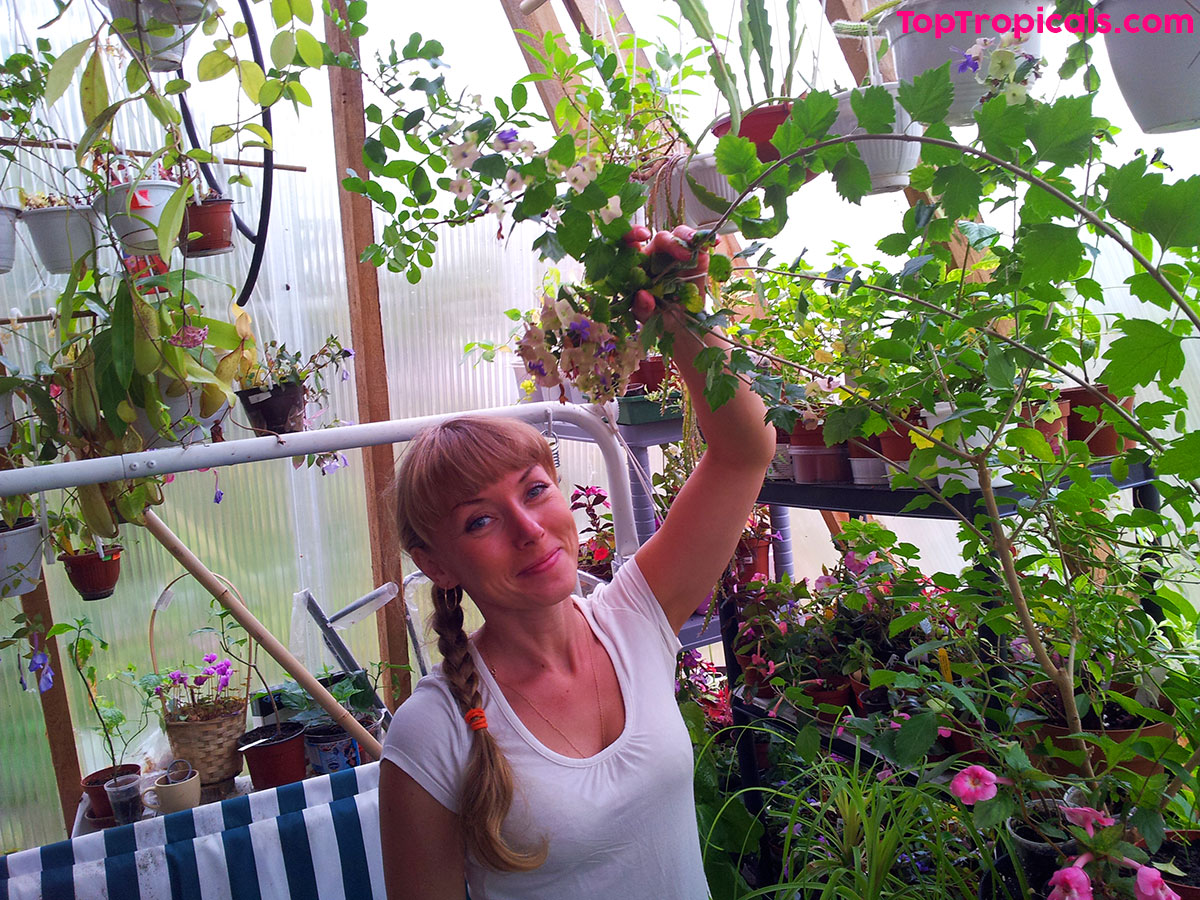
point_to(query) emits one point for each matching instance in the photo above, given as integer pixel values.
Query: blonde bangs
(452, 462)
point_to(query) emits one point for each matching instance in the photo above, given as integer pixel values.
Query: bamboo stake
(267, 641)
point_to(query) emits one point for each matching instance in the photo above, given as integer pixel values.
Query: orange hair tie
(476, 718)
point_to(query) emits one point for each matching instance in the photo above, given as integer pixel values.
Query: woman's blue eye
(537, 490)
(476, 523)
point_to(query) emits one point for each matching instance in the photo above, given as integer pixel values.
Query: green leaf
(562, 150)
(213, 65)
(1172, 214)
(281, 12)
(875, 109)
(1181, 458)
(843, 422)
(93, 89)
(283, 49)
(737, 160)
(815, 114)
(915, 738)
(122, 335)
(697, 16)
(1031, 441)
(727, 85)
(58, 79)
(172, 220)
(1000, 370)
(1049, 253)
(93, 131)
(959, 187)
(990, 813)
(928, 97)
(1063, 131)
(252, 78)
(309, 49)
(1001, 127)
(302, 10)
(852, 178)
(893, 349)
(1145, 352)
(760, 36)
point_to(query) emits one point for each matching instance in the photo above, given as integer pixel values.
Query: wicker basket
(210, 746)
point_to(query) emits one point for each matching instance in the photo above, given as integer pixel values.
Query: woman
(546, 758)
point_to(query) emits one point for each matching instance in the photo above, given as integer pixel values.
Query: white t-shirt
(621, 823)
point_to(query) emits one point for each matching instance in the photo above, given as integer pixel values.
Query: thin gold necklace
(542, 715)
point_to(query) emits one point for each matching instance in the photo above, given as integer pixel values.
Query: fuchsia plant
(1073, 882)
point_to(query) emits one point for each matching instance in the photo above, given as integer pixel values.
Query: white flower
(554, 167)
(528, 147)
(514, 181)
(978, 48)
(578, 178)
(1002, 65)
(463, 156)
(552, 216)
(1016, 93)
(590, 165)
(462, 188)
(611, 212)
(496, 208)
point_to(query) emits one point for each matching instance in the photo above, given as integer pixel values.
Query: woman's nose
(526, 526)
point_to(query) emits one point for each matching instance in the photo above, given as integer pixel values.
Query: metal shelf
(862, 499)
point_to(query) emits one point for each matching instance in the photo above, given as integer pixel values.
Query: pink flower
(1070, 883)
(944, 732)
(1150, 885)
(189, 336)
(1087, 818)
(975, 783)
(824, 581)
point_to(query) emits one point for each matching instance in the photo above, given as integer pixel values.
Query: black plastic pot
(277, 410)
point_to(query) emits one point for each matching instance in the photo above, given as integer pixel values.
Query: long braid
(487, 790)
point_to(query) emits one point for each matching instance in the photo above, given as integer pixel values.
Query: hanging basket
(210, 745)
(151, 34)
(133, 210)
(889, 162)
(61, 235)
(213, 221)
(8, 236)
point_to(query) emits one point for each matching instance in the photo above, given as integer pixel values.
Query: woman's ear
(429, 565)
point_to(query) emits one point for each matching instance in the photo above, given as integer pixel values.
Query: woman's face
(513, 545)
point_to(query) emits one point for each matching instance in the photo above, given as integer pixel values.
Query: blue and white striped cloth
(313, 839)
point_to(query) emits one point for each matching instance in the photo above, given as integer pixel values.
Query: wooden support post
(259, 633)
(370, 363)
(60, 733)
(586, 13)
(541, 22)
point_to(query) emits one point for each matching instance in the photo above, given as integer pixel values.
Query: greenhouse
(710, 449)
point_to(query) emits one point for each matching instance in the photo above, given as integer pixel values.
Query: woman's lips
(542, 564)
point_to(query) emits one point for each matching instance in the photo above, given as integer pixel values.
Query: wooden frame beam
(541, 22)
(370, 362)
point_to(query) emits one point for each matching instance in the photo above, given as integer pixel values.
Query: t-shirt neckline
(496, 695)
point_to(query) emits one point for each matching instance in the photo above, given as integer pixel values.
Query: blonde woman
(546, 757)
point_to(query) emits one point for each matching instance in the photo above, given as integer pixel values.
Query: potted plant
(327, 746)
(207, 226)
(598, 542)
(8, 236)
(133, 201)
(888, 162)
(151, 31)
(275, 392)
(93, 567)
(62, 228)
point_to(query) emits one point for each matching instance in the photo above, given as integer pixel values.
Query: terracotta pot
(649, 374)
(94, 576)
(1040, 731)
(278, 410)
(808, 436)
(832, 694)
(214, 220)
(895, 444)
(93, 786)
(752, 557)
(759, 126)
(280, 759)
(1104, 441)
(867, 700)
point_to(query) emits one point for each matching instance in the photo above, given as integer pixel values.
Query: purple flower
(218, 496)
(335, 462)
(508, 135)
(537, 367)
(199, 680)
(38, 660)
(347, 353)
(580, 329)
(223, 683)
(177, 677)
(210, 657)
(968, 63)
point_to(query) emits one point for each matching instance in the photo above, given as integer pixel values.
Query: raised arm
(687, 555)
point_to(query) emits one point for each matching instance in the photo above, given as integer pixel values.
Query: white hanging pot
(917, 52)
(178, 407)
(133, 211)
(1158, 73)
(179, 12)
(673, 194)
(889, 162)
(162, 52)
(20, 558)
(61, 235)
(8, 236)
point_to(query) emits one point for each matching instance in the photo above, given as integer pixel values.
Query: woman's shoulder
(429, 715)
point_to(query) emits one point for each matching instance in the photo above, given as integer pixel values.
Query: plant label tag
(259, 397)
